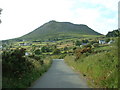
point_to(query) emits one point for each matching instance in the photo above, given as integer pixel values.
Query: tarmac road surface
(60, 75)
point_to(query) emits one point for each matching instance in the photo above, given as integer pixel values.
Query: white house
(0, 46)
(81, 46)
(25, 44)
(101, 41)
(27, 53)
(21, 44)
(111, 41)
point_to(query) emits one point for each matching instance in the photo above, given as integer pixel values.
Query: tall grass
(101, 69)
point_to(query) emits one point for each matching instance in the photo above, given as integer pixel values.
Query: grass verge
(100, 69)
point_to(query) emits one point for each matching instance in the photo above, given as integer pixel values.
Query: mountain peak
(54, 29)
(52, 21)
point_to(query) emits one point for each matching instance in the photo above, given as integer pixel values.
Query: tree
(4, 45)
(96, 45)
(37, 51)
(93, 41)
(15, 62)
(107, 40)
(88, 45)
(74, 48)
(65, 48)
(77, 43)
(85, 41)
(45, 49)
(56, 51)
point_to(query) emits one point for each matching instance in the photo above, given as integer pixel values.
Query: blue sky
(20, 17)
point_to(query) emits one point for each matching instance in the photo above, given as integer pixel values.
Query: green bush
(62, 56)
(15, 62)
(37, 52)
(107, 40)
(96, 45)
(20, 71)
(87, 46)
(85, 41)
(45, 49)
(79, 52)
(93, 41)
(74, 48)
(65, 48)
(78, 43)
(56, 51)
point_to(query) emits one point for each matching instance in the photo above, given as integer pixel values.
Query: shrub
(107, 40)
(15, 62)
(85, 41)
(74, 48)
(93, 41)
(62, 56)
(45, 49)
(65, 48)
(56, 51)
(79, 52)
(38, 58)
(96, 45)
(77, 43)
(37, 52)
(88, 45)
(20, 71)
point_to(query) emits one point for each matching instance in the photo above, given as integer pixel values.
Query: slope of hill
(53, 29)
(114, 33)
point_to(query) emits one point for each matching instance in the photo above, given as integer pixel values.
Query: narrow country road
(60, 76)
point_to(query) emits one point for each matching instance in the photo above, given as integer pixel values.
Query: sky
(20, 17)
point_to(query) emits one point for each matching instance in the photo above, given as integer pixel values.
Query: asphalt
(60, 75)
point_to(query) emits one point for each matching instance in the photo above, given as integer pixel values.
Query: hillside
(54, 29)
(114, 33)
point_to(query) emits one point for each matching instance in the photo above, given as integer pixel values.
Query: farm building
(102, 42)
(111, 41)
(0, 46)
(27, 53)
(25, 44)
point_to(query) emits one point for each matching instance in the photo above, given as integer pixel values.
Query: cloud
(101, 15)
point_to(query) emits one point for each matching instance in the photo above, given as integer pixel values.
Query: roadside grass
(29, 77)
(101, 69)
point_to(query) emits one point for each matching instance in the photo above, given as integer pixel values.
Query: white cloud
(110, 4)
(101, 15)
